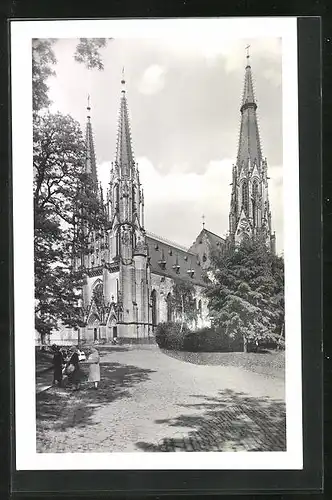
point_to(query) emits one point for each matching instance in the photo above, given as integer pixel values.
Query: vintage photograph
(158, 244)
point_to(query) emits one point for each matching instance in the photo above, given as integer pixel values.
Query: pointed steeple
(90, 163)
(249, 149)
(124, 156)
(249, 208)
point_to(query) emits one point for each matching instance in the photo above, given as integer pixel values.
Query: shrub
(170, 335)
(210, 340)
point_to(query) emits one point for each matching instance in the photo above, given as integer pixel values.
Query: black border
(180, 482)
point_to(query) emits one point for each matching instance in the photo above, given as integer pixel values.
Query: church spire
(250, 214)
(125, 194)
(249, 149)
(124, 156)
(90, 162)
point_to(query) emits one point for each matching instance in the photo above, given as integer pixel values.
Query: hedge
(171, 336)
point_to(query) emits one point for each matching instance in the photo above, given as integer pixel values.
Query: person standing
(94, 367)
(73, 370)
(58, 362)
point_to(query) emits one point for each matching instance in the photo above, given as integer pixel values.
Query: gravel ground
(150, 401)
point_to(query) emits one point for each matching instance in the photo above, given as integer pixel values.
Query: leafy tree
(246, 293)
(184, 302)
(44, 61)
(87, 52)
(65, 201)
(66, 208)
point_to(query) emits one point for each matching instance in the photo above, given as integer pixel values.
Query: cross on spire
(248, 55)
(88, 107)
(203, 219)
(123, 81)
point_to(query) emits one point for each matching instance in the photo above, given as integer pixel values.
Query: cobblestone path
(148, 401)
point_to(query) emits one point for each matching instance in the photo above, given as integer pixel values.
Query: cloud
(214, 46)
(153, 79)
(273, 76)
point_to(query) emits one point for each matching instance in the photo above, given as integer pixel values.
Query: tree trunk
(245, 344)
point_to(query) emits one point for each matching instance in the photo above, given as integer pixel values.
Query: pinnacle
(249, 146)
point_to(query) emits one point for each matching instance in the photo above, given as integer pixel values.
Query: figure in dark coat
(75, 376)
(58, 361)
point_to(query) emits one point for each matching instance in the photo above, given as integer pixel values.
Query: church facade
(129, 273)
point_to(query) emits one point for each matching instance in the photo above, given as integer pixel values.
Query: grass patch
(271, 363)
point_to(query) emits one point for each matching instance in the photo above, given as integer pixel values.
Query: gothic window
(117, 197)
(154, 307)
(117, 239)
(98, 295)
(169, 308)
(254, 201)
(245, 196)
(134, 199)
(255, 189)
(200, 307)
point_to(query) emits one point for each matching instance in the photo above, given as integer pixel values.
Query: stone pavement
(148, 401)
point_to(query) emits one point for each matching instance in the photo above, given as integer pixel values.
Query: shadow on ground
(233, 421)
(59, 409)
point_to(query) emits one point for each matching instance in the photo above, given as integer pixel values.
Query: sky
(184, 104)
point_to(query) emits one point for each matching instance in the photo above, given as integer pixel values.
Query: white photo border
(22, 32)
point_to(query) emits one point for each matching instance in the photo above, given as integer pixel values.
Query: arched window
(134, 199)
(199, 307)
(245, 196)
(255, 189)
(116, 197)
(254, 201)
(117, 241)
(98, 294)
(154, 307)
(169, 308)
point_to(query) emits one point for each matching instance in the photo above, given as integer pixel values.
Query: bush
(211, 340)
(170, 335)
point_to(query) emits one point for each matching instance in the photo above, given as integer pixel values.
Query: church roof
(169, 259)
(215, 241)
(249, 141)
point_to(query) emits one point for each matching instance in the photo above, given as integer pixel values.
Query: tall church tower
(89, 189)
(250, 209)
(128, 248)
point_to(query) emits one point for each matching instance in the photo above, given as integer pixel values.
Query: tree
(246, 293)
(184, 303)
(65, 200)
(44, 61)
(66, 208)
(88, 52)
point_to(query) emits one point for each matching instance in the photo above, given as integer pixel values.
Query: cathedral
(129, 273)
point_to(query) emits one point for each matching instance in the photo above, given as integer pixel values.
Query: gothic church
(134, 271)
